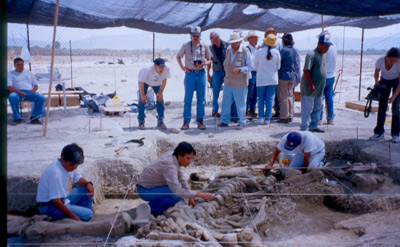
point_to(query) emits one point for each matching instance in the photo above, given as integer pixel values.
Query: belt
(196, 70)
(42, 204)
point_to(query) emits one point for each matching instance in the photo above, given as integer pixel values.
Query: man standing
(163, 184)
(22, 84)
(218, 49)
(308, 150)
(62, 191)
(237, 66)
(251, 101)
(156, 77)
(313, 84)
(197, 55)
(330, 57)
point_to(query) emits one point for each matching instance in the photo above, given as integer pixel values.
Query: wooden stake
(51, 67)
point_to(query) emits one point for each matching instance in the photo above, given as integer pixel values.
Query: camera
(197, 62)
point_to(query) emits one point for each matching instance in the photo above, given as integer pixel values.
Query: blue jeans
(328, 93)
(80, 204)
(238, 95)
(194, 82)
(37, 98)
(251, 93)
(160, 105)
(265, 95)
(216, 82)
(315, 160)
(382, 107)
(311, 107)
(160, 198)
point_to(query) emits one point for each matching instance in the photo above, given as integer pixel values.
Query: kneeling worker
(62, 191)
(308, 150)
(163, 184)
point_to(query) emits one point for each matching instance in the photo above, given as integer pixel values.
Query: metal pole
(154, 45)
(29, 45)
(361, 60)
(3, 123)
(51, 67)
(70, 58)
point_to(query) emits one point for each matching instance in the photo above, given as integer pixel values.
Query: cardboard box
(72, 100)
(297, 96)
(55, 100)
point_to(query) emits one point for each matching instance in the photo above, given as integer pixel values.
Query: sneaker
(215, 114)
(185, 126)
(161, 126)
(329, 121)
(260, 121)
(16, 122)
(395, 139)
(283, 121)
(141, 126)
(240, 127)
(253, 114)
(317, 130)
(35, 121)
(200, 125)
(223, 125)
(376, 137)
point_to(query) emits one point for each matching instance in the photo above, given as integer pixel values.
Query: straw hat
(250, 34)
(270, 40)
(234, 37)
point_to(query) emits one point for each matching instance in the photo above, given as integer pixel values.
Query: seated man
(308, 149)
(62, 191)
(162, 183)
(22, 84)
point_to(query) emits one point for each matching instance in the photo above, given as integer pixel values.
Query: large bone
(42, 230)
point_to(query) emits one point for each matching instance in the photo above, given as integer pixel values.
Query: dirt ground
(29, 153)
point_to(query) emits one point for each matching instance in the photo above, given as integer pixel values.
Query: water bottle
(212, 177)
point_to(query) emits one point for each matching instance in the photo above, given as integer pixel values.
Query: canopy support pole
(70, 58)
(361, 60)
(29, 45)
(51, 68)
(154, 45)
(322, 23)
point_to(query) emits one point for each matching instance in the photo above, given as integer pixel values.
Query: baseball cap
(293, 139)
(325, 38)
(195, 31)
(159, 62)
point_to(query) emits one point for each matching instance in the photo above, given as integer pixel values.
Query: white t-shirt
(309, 143)
(56, 182)
(267, 70)
(21, 81)
(391, 74)
(330, 57)
(151, 77)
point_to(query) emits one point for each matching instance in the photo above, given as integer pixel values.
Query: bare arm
(376, 76)
(307, 76)
(396, 93)
(14, 90)
(272, 160)
(35, 88)
(88, 185)
(306, 162)
(59, 204)
(179, 59)
(143, 96)
(208, 73)
(160, 93)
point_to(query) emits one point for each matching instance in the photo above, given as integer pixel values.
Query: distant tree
(58, 45)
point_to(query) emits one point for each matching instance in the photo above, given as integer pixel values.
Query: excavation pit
(336, 204)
